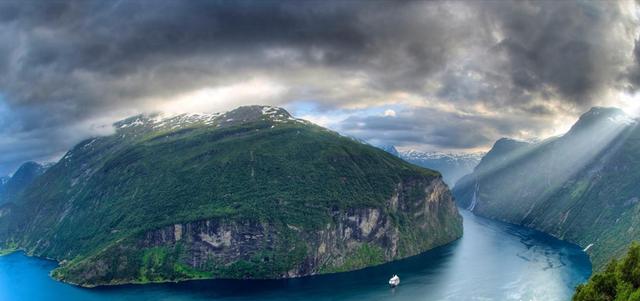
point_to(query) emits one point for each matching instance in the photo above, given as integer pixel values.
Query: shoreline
(140, 283)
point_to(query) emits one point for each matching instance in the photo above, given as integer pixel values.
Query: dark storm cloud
(83, 42)
(436, 128)
(66, 64)
(424, 127)
(571, 47)
(633, 73)
(551, 50)
(88, 56)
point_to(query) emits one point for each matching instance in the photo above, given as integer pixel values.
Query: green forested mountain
(251, 193)
(581, 187)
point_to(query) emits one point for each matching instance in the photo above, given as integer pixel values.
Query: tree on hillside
(620, 280)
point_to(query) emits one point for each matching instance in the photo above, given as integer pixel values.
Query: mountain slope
(11, 187)
(582, 186)
(252, 193)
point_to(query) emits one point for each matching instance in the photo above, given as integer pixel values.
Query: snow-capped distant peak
(416, 154)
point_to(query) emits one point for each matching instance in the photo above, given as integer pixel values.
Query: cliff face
(220, 248)
(252, 193)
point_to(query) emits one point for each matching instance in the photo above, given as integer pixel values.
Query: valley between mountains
(255, 193)
(582, 186)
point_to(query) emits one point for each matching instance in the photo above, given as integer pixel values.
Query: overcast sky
(452, 76)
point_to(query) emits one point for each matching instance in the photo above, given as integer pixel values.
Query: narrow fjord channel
(493, 261)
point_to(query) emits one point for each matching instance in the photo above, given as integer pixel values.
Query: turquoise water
(493, 261)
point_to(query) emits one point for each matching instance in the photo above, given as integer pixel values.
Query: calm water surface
(493, 261)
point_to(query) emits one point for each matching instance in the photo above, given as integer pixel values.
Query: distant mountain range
(250, 193)
(453, 166)
(583, 187)
(11, 187)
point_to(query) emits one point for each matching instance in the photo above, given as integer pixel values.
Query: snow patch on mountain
(157, 121)
(420, 155)
(451, 165)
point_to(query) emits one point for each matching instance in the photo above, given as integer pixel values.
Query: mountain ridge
(250, 193)
(453, 166)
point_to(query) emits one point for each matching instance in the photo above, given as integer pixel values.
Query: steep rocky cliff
(252, 193)
(351, 239)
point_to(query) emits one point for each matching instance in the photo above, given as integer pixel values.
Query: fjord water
(492, 261)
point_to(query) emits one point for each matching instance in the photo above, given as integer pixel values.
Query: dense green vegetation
(581, 187)
(8, 248)
(129, 262)
(365, 255)
(92, 207)
(619, 281)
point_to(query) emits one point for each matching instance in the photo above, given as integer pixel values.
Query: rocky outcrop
(225, 248)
